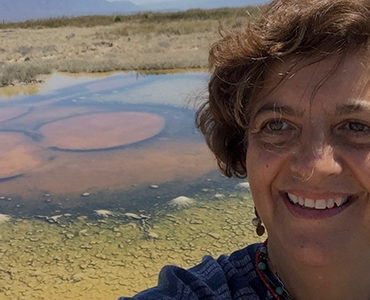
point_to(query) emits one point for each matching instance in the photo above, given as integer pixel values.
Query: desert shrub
(25, 73)
(117, 19)
(24, 50)
(49, 49)
(80, 65)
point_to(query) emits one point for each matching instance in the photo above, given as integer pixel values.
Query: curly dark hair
(240, 60)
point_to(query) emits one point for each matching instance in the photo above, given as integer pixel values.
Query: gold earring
(257, 222)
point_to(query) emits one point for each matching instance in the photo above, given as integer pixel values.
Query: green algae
(108, 257)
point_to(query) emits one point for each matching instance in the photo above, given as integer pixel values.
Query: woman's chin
(314, 256)
(313, 251)
(312, 238)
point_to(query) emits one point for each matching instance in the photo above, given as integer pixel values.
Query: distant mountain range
(20, 10)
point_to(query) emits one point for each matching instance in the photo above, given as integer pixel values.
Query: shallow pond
(89, 168)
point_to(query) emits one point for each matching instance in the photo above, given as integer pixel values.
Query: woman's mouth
(318, 204)
(316, 208)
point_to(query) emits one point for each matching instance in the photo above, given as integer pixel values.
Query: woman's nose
(315, 162)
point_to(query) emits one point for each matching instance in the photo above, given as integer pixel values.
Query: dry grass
(145, 17)
(150, 41)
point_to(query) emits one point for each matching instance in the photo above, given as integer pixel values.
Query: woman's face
(308, 160)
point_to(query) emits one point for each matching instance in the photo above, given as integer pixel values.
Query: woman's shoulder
(228, 277)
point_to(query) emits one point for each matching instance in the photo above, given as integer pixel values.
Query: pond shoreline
(30, 88)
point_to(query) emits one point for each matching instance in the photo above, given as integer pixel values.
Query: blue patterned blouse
(228, 277)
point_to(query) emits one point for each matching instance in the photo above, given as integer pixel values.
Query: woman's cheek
(264, 160)
(358, 159)
(267, 151)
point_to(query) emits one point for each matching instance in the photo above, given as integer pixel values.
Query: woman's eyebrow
(276, 108)
(356, 107)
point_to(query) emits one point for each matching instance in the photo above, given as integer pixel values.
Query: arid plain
(143, 42)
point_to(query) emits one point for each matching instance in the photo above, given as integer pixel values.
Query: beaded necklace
(278, 291)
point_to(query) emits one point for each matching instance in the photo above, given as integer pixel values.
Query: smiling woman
(289, 107)
(309, 170)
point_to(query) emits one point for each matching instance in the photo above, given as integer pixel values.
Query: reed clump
(24, 73)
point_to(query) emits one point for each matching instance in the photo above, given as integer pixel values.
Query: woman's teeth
(317, 204)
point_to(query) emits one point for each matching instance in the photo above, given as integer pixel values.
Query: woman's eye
(356, 127)
(276, 125)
